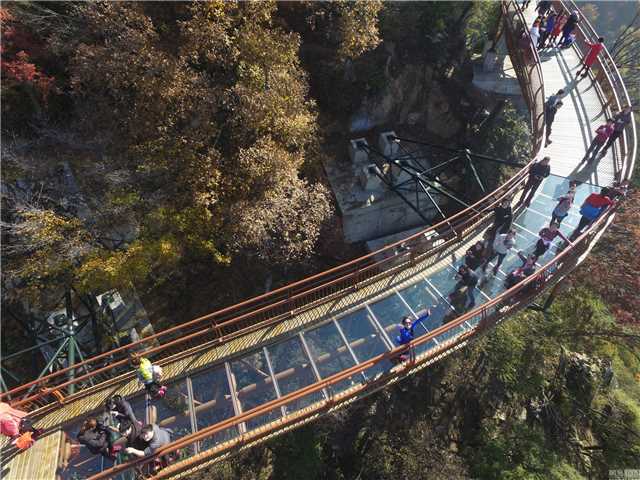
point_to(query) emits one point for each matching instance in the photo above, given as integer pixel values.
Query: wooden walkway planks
(576, 121)
(40, 462)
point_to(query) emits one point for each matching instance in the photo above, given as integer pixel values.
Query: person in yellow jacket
(149, 375)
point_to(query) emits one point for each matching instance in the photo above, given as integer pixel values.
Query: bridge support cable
(479, 156)
(474, 171)
(415, 176)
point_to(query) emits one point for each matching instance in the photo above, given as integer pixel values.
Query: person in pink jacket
(590, 57)
(14, 423)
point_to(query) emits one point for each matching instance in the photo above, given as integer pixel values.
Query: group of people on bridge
(117, 431)
(500, 238)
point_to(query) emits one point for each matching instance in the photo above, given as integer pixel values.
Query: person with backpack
(620, 122)
(466, 278)
(603, 132)
(565, 203)
(591, 209)
(591, 56)
(16, 425)
(537, 173)
(501, 246)
(406, 333)
(149, 375)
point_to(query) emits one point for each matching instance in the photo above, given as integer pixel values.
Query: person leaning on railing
(591, 56)
(620, 122)
(592, 207)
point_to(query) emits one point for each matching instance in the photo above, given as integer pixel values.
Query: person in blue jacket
(406, 333)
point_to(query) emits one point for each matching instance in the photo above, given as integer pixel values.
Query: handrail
(527, 60)
(235, 320)
(580, 245)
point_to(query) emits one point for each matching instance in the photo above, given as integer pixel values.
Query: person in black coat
(502, 218)
(537, 173)
(96, 438)
(120, 408)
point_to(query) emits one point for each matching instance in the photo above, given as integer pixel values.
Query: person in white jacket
(535, 33)
(501, 246)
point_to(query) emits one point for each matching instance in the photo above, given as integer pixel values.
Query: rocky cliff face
(412, 95)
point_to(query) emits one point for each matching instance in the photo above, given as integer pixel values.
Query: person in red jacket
(590, 57)
(603, 132)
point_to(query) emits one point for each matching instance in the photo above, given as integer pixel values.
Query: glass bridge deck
(268, 372)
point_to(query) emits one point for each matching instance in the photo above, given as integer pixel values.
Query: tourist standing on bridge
(569, 27)
(603, 132)
(151, 438)
(548, 28)
(119, 408)
(149, 375)
(559, 23)
(564, 205)
(502, 217)
(406, 334)
(591, 56)
(501, 246)
(534, 32)
(593, 206)
(537, 172)
(97, 438)
(551, 107)
(620, 122)
(543, 7)
(546, 236)
(527, 268)
(467, 278)
(474, 256)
